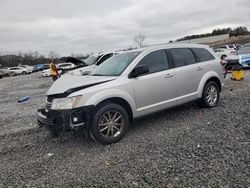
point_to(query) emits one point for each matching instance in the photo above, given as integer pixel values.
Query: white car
(223, 53)
(46, 72)
(13, 71)
(65, 66)
(230, 47)
(60, 66)
(93, 62)
(131, 85)
(29, 68)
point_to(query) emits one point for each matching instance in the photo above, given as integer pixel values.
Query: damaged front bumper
(59, 120)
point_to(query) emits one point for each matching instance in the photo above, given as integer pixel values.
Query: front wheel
(210, 95)
(110, 123)
(24, 73)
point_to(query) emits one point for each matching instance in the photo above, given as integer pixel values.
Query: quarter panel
(204, 79)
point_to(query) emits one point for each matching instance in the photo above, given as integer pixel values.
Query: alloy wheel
(111, 124)
(212, 95)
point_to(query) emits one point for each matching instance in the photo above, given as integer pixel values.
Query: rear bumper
(65, 119)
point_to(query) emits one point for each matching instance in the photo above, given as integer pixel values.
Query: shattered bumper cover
(65, 119)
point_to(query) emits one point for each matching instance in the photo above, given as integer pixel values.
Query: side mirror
(138, 70)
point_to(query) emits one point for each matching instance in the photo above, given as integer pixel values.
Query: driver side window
(156, 61)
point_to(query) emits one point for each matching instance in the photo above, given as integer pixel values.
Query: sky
(81, 26)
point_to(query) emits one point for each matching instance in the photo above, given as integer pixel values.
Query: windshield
(115, 65)
(91, 60)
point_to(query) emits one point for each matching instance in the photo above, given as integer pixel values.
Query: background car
(29, 68)
(65, 66)
(77, 62)
(230, 47)
(245, 60)
(42, 67)
(1, 74)
(245, 45)
(222, 53)
(46, 72)
(242, 57)
(245, 50)
(92, 62)
(13, 71)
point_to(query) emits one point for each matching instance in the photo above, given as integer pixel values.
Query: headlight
(65, 103)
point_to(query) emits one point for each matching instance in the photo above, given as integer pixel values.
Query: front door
(155, 90)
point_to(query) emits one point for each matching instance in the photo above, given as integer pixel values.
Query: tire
(210, 95)
(223, 57)
(23, 73)
(108, 131)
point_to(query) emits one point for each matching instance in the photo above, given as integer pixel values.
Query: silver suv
(131, 85)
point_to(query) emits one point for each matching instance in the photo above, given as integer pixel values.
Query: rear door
(155, 90)
(191, 65)
(188, 74)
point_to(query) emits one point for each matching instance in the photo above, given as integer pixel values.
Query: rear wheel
(110, 123)
(210, 95)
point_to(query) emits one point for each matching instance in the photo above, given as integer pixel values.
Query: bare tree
(139, 39)
(53, 55)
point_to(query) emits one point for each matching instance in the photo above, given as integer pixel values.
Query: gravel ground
(183, 147)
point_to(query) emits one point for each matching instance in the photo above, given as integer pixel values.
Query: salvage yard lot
(185, 146)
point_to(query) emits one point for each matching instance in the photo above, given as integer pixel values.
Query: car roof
(179, 45)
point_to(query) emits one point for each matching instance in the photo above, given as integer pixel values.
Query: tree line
(233, 32)
(32, 58)
(29, 58)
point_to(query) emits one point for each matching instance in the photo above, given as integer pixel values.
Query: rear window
(202, 55)
(182, 56)
(224, 47)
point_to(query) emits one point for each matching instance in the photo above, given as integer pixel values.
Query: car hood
(232, 57)
(71, 83)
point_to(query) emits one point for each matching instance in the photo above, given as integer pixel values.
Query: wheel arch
(207, 78)
(223, 55)
(216, 80)
(113, 95)
(120, 101)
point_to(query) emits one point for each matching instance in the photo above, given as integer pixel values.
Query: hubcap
(212, 95)
(111, 124)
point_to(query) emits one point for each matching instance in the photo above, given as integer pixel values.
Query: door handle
(200, 68)
(169, 75)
